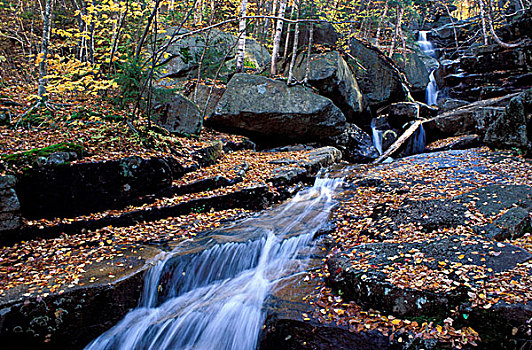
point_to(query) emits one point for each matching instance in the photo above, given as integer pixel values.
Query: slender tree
(294, 47)
(241, 51)
(43, 64)
(277, 38)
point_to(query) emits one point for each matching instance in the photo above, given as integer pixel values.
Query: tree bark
(296, 42)
(399, 19)
(310, 39)
(147, 28)
(241, 52)
(287, 40)
(43, 64)
(277, 38)
(379, 27)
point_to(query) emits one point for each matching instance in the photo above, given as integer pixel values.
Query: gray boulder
(273, 113)
(204, 98)
(9, 204)
(185, 54)
(509, 130)
(331, 75)
(378, 78)
(415, 69)
(355, 144)
(177, 113)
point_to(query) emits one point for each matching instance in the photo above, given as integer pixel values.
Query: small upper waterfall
(425, 45)
(213, 299)
(431, 93)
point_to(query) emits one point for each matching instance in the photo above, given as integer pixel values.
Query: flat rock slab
(382, 276)
(71, 317)
(490, 200)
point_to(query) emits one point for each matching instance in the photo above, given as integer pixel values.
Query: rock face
(187, 52)
(376, 75)
(509, 130)
(323, 34)
(330, 74)
(72, 189)
(356, 145)
(373, 289)
(72, 319)
(177, 113)
(415, 70)
(272, 113)
(9, 204)
(202, 99)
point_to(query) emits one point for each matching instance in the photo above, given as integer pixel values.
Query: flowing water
(431, 93)
(210, 295)
(377, 136)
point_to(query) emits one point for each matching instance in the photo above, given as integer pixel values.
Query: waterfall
(376, 136)
(425, 45)
(214, 298)
(431, 93)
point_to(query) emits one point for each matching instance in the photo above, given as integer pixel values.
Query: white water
(377, 136)
(431, 93)
(214, 299)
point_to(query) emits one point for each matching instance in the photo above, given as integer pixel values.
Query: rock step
(252, 198)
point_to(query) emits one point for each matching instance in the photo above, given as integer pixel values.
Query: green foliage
(28, 157)
(87, 114)
(130, 78)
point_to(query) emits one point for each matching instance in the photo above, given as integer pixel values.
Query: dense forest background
(63, 54)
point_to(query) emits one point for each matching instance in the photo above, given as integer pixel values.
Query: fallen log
(400, 141)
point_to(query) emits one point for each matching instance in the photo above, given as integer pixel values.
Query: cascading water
(431, 93)
(377, 136)
(213, 299)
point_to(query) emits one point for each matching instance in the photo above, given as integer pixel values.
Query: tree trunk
(288, 31)
(310, 39)
(43, 64)
(277, 38)
(241, 52)
(399, 18)
(147, 29)
(483, 22)
(379, 27)
(296, 42)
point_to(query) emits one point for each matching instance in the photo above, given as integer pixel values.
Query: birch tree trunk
(43, 64)
(379, 27)
(296, 42)
(310, 39)
(277, 38)
(241, 51)
(399, 15)
(483, 22)
(288, 31)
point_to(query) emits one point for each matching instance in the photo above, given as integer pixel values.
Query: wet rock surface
(74, 316)
(379, 289)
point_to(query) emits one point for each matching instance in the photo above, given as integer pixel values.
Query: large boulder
(323, 34)
(378, 78)
(509, 130)
(9, 204)
(186, 53)
(355, 144)
(273, 113)
(177, 113)
(330, 74)
(206, 97)
(415, 70)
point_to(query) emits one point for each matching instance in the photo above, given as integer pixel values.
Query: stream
(210, 293)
